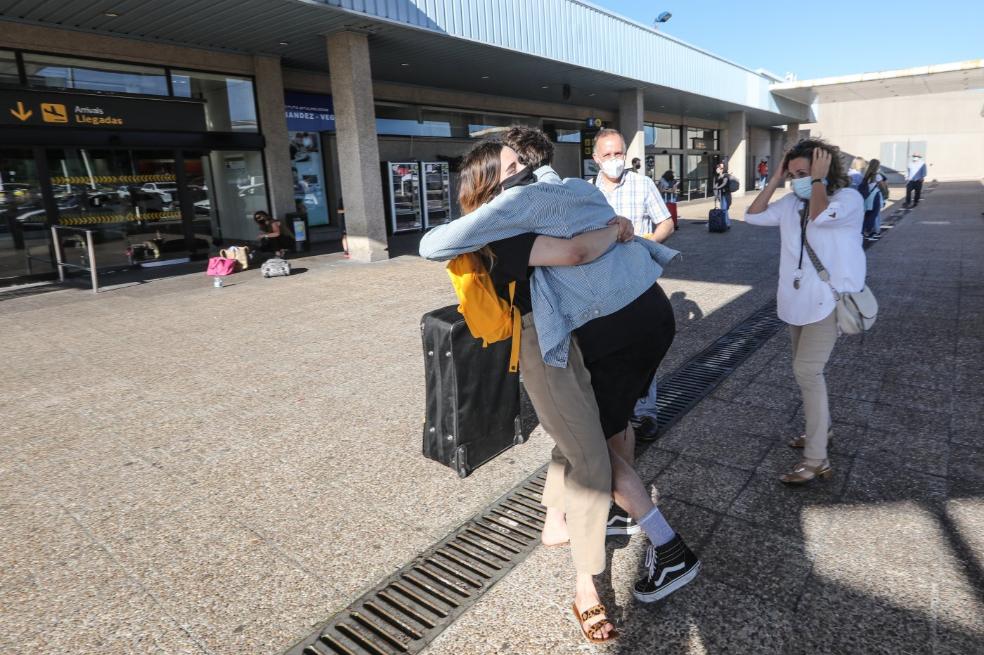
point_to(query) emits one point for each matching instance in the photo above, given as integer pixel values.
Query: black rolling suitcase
(473, 406)
(715, 220)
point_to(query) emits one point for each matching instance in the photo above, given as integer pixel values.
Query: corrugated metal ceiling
(403, 54)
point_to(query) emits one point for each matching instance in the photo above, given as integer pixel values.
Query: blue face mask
(803, 187)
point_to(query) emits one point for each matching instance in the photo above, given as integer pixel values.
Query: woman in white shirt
(827, 213)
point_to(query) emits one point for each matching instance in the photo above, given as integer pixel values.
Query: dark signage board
(57, 109)
(309, 112)
(592, 126)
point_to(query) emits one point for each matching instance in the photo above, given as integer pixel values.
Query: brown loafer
(804, 472)
(800, 441)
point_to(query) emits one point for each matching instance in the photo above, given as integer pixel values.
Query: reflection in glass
(230, 105)
(8, 68)
(52, 72)
(238, 193)
(403, 196)
(662, 136)
(308, 171)
(23, 224)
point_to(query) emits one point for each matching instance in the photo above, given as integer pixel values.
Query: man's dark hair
(836, 176)
(531, 144)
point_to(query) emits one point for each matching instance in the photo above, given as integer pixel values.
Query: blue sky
(820, 39)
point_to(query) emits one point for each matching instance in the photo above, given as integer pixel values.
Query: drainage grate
(689, 384)
(407, 610)
(410, 608)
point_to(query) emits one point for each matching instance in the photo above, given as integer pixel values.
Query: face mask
(613, 168)
(803, 187)
(522, 178)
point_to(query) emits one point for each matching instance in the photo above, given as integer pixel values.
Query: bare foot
(554, 528)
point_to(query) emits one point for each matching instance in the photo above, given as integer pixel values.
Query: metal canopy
(408, 45)
(942, 78)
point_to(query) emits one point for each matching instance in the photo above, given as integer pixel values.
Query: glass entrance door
(130, 198)
(23, 225)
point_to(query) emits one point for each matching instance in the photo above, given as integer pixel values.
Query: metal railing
(90, 251)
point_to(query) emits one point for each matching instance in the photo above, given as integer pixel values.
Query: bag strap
(517, 330)
(822, 272)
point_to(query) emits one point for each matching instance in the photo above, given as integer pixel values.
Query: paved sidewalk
(186, 469)
(886, 557)
(194, 470)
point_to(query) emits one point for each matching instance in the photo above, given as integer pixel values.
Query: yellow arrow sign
(21, 113)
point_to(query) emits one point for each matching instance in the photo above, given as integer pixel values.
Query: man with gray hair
(637, 198)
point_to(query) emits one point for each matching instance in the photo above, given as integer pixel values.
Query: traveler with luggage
(583, 388)
(874, 189)
(271, 238)
(669, 186)
(721, 222)
(818, 225)
(763, 174)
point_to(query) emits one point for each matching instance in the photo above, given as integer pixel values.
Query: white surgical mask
(803, 187)
(613, 168)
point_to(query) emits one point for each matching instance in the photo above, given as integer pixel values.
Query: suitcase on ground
(275, 267)
(472, 400)
(715, 221)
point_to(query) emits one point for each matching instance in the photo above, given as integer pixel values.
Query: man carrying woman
(590, 347)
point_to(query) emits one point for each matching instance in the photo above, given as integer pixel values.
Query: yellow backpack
(488, 317)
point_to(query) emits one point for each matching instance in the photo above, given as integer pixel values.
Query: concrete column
(736, 148)
(358, 145)
(270, 102)
(630, 124)
(792, 135)
(777, 150)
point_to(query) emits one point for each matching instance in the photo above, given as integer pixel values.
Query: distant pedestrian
(636, 165)
(819, 221)
(873, 188)
(669, 186)
(914, 177)
(271, 238)
(722, 189)
(763, 174)
(858, 167)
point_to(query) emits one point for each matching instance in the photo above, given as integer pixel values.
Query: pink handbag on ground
(220, 266)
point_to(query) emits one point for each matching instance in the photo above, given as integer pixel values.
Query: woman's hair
(261, 216)
(668, 176)
(722, 163)
(479, 176)
(872, 171)
(836, 176)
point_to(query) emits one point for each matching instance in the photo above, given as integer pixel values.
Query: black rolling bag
(473, 406)
(715, 219)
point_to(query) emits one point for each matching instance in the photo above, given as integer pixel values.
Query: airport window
(699, 138)
(51, 72)
(406, 121)
(8, 68)
(230, 105)
(662, 136)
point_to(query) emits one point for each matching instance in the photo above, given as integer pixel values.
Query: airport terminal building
(164, 126)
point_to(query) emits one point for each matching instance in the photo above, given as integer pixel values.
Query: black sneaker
(670, 567)
(620, 523)
(646, 429)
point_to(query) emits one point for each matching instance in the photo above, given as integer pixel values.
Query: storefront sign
(698, 144)
(309, 112)
(92, 111)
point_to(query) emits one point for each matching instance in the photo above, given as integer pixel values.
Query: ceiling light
(284, 43)
(545, 86)
(111, 14)
(485, 77)
(404, 64)
(592, 94)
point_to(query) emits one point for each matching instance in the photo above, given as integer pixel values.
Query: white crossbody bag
(856, 311)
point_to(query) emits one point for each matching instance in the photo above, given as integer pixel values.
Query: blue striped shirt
(564, 297)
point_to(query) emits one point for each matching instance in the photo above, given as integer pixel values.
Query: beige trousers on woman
(579, 480)
(812, 345)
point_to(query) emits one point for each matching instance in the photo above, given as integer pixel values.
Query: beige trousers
(579, 479)
(812, 345)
